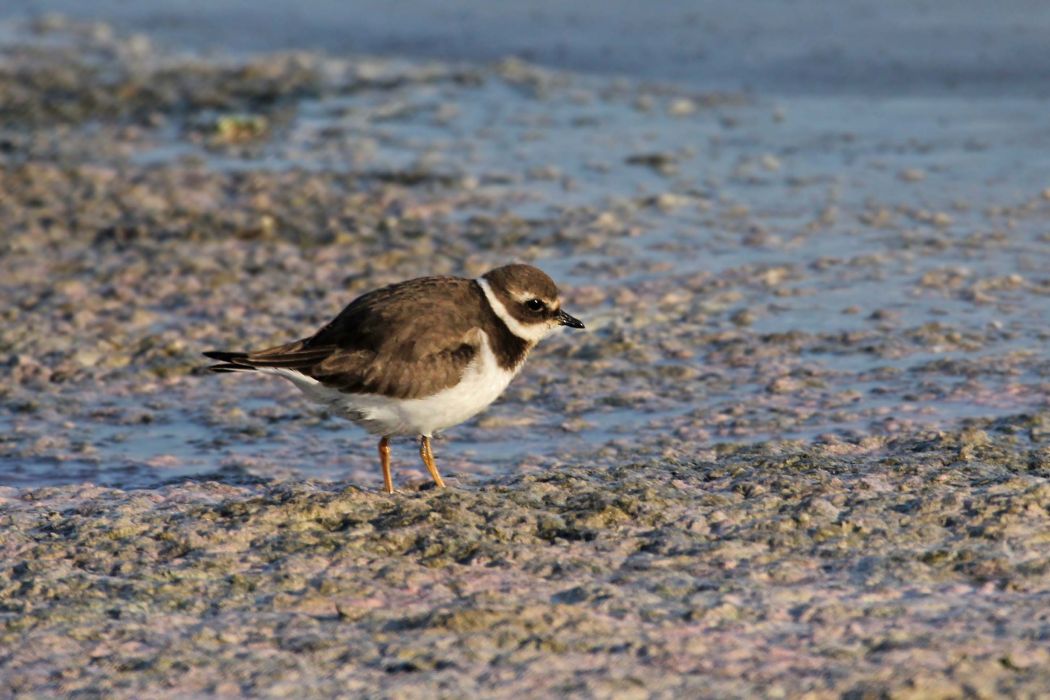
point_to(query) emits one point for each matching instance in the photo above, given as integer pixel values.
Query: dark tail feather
(226, 356)
(290, 356)
(231, 361)
(231, 368)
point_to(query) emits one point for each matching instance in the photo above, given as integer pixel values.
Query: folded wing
(406, 341)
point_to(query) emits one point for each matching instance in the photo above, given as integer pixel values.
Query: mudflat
(803, 448)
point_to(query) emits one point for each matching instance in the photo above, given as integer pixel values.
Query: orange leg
(428, 460)
(384, 459)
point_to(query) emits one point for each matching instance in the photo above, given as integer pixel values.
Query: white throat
(531, 333)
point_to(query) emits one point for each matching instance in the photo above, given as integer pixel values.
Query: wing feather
(407, 340)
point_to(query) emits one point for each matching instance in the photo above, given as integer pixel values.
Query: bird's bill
(565, 319)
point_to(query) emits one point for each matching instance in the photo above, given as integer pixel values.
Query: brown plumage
(449, 342)
(387, 342)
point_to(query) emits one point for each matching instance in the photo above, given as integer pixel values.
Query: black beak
(565, 319)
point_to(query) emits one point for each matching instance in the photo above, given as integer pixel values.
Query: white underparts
(533, 332)
(483, 381)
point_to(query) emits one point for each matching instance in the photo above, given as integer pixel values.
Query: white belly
(483, 381)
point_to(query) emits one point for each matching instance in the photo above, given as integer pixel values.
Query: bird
(419, 356)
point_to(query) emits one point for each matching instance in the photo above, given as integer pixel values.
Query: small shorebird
(419, 356)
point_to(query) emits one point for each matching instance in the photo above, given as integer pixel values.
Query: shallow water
(865, 47)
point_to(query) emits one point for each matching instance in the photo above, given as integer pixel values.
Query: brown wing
(407, 340)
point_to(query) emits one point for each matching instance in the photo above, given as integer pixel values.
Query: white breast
(483, 381)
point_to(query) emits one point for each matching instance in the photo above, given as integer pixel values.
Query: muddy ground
(916, 568)
(802, 448)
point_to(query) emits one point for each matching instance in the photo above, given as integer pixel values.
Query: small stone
(911, 175)
(681, 107)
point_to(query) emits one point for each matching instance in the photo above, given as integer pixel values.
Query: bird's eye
(535, 305)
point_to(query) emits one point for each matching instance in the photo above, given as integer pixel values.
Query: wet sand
(802, 449)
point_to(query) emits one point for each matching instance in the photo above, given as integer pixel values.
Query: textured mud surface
(746, 270)
(911, 568)
(802, 448)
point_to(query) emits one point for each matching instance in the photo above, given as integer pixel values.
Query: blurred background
(780, 220)
(810, 46)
